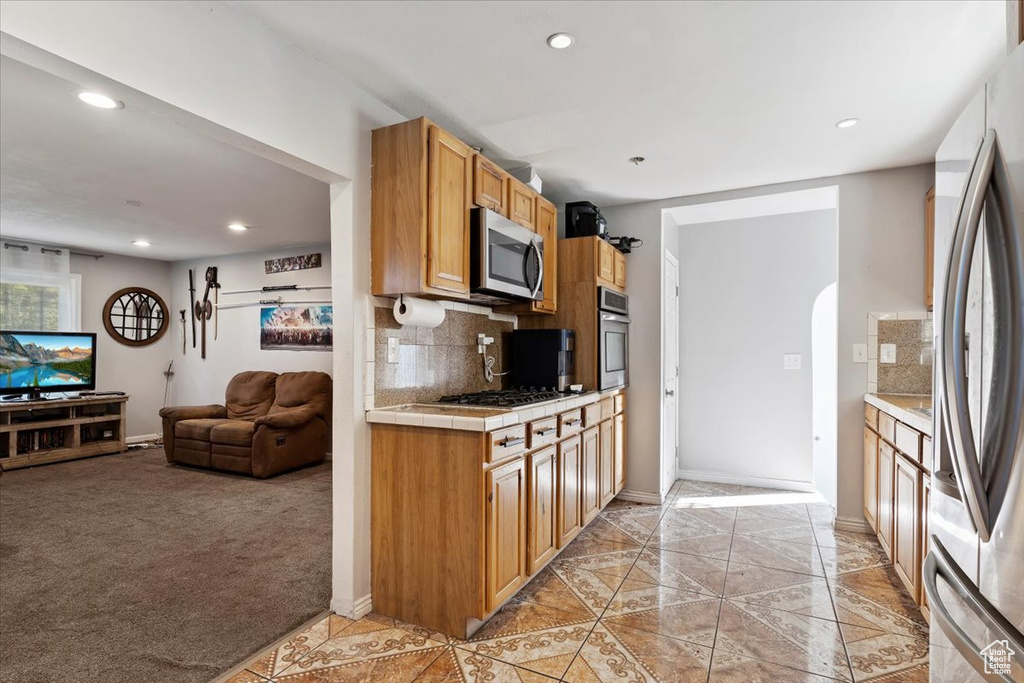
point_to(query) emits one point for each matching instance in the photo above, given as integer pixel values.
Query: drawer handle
(508, 442)
(573, 422)
(545, 432)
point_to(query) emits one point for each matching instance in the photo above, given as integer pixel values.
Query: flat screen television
(35, 363)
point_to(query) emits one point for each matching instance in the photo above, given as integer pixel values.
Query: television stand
(36, 432)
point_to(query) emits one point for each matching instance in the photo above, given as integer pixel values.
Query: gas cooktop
(505, 398)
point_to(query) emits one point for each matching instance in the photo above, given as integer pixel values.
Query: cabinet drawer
(607, 408)
(506, 442)
(908, 441)
(542, 432)
(887, 427)
(570, 423)
(871, 416)
(620, 403)
(592, 415)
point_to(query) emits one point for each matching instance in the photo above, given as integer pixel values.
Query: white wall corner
(353, 609)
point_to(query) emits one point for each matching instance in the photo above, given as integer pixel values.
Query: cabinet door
(591, 475)
(449, 181)
(522, 204)
(542, 479)
(620, 268)
(547, 228)
(886, 472)
(607, 462)
(619, 444)
(570, 521)
(906, 545)
(926, 497)
(506, 531)
(490, 185)
(605, 262)
(871, 479)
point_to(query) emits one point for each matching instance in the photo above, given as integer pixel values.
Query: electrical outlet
(887, 353)
(392, 349)
(860, 353)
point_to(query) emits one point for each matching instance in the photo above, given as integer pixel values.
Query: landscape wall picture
(297, 328)
(42, 360)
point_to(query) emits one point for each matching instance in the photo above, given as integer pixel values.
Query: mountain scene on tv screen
(35, 360)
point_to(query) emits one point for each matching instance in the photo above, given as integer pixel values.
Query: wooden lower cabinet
(570, 517)
(607, 450)
(542, 530)
(591, 475)
(506, 531)
(871, 478)
(906, 544)
(886, 474)
(926, 496)
(619, 443)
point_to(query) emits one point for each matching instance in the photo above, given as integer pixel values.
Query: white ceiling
(67, 169)
(716, 95)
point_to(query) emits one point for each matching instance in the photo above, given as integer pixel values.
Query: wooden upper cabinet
(542, 482)
(620, 269)
(522, 204)
(450, 183)
(605, 263)
(506, 531)
(929, 246)
(490, 185)
(547, 228)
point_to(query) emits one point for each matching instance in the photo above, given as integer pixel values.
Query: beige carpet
(124, 568)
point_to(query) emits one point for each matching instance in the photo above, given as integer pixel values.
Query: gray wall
(138, 371)
(881, 268)
(747, 290)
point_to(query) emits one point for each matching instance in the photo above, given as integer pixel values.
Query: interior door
(670, 370)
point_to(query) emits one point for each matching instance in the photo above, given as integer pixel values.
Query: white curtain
(39, 265)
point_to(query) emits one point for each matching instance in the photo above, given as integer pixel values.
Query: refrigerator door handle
(939, 563)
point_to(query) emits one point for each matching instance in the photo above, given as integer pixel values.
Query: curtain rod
(53, 250)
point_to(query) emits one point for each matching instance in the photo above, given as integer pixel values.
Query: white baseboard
(640, 497)
(142, 437)
(353, 609)
(764, 482)
(851, 524)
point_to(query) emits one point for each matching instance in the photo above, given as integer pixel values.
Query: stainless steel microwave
(508, 259)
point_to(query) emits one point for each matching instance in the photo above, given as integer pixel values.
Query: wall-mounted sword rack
(275, 302)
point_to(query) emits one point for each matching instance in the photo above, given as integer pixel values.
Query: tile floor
(722, 583)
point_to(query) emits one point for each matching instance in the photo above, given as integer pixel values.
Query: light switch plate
(392, 349)
(791, 361)
(887, 353)
(860, 353)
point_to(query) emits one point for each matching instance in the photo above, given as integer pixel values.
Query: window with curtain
(37, 289)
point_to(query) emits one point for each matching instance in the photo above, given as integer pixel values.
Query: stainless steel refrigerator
(974, 571)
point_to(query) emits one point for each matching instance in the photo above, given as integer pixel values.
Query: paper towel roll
(418, 312)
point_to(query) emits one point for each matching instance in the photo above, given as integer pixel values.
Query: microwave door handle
(540, 269)
(953, 365)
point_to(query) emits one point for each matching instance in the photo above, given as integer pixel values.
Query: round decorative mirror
(135, 316)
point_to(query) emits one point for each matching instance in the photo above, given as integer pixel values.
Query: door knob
(670, 392)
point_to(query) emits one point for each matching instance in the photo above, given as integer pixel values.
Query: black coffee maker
(583, 219)
(543, 359)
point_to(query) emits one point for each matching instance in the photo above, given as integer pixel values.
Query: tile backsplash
(433, 362)
(912, 336)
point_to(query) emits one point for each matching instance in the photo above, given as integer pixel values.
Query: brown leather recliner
(269, 423)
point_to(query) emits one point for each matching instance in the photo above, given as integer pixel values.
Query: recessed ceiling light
(560, 41)
(96, 99)
(142, 243)
(847, 123)
(238, 227)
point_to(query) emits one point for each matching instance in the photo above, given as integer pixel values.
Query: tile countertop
(907, 408)
(473, 419)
